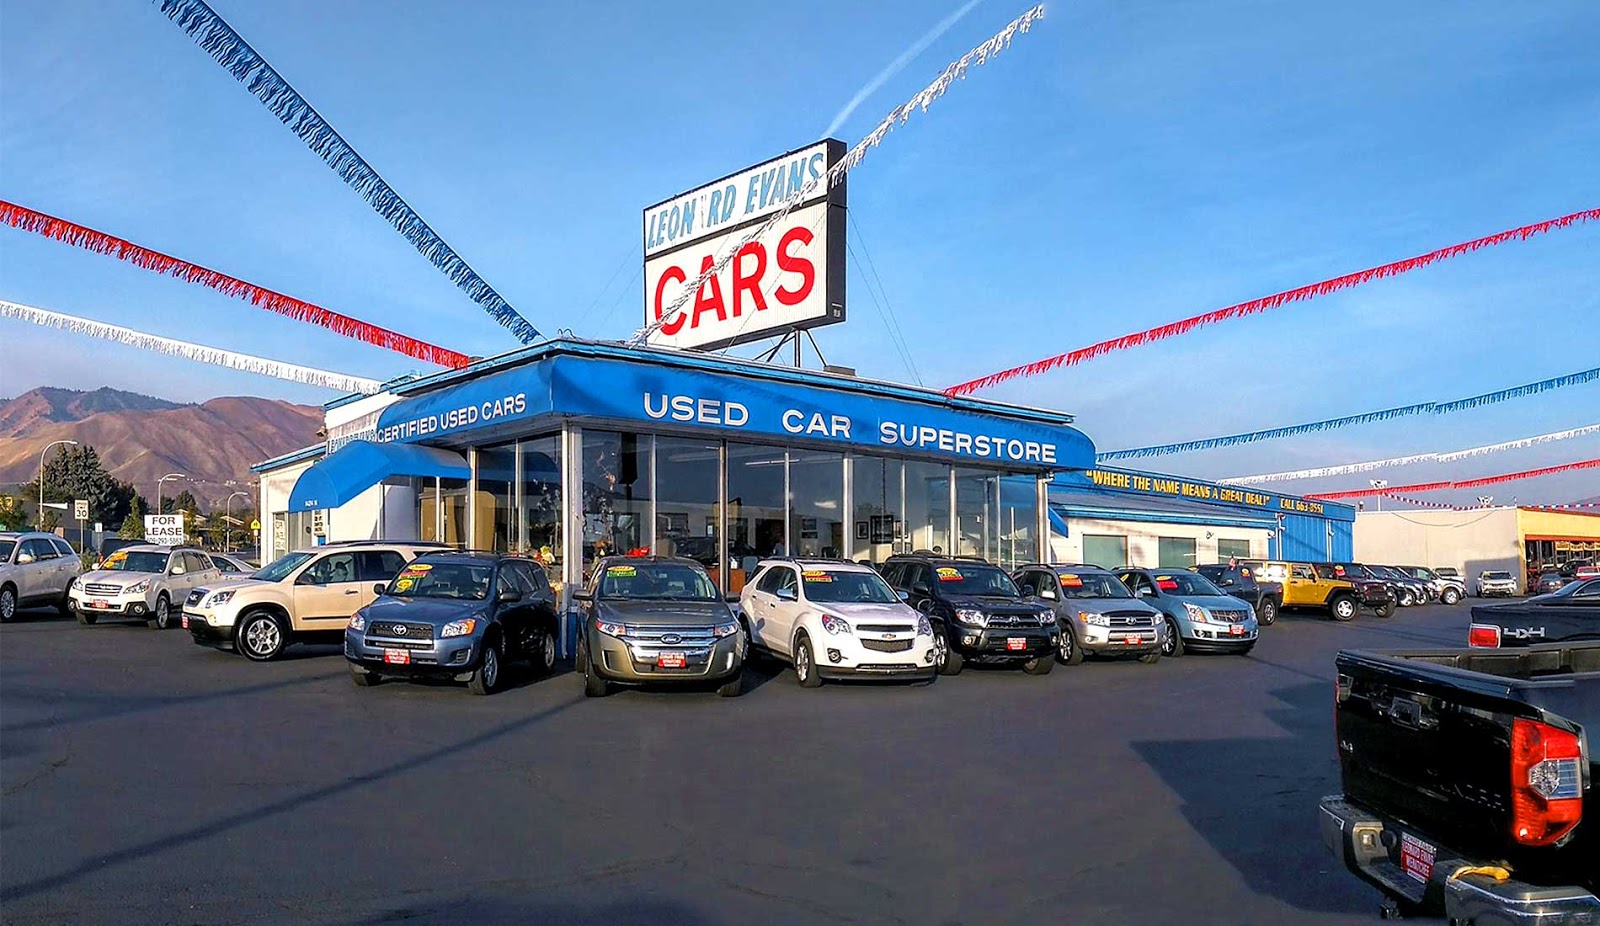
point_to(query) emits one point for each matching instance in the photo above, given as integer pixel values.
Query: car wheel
(261, 637)
(805, 664)
(86, 618)
(1343, 608)
(733, 687)
(65, 604)
(486, 678)
(1040, 665)
(161, 617)
(1151, 658)
(1450, 596)
(8, 603)
(593, 685)
(945, 656)
(1173, 644)
(363, 678)
(1407, 599)
(1268, 613)
(543, 654)
(1068, 651)
(1386, 610)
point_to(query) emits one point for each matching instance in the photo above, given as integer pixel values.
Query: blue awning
(360, 465)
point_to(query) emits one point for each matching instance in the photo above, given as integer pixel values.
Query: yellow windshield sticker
(116, 558)
(1071, 581)
(949, 574)
(816, 575)
(622, 572)
(404, 584)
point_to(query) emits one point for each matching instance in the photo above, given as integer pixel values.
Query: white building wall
(1471, 541)
(1143, 539)
(273, 497)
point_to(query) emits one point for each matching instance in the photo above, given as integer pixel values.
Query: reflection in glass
(875, 486)
(816, 503)
(927, 492)
(687, 500)
(540, 535)
(757, 524)
(616, 494)
(495, 524)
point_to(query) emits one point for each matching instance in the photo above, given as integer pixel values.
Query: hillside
(140, 438)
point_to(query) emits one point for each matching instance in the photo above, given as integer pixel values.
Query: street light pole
(1379, 484)
(38, 520)
(164, 479)
(227, 522)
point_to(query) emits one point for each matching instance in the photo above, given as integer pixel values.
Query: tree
(183, 501)
(12, 515)
(75, 472)
(132, 527)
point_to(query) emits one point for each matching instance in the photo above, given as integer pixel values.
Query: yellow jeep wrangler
(1318, 586)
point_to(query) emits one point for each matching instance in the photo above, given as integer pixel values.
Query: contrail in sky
(899, 64)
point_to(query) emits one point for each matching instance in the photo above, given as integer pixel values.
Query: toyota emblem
(671, 639)
(399, 630)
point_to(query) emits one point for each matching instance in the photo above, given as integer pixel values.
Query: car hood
(1107, 605)
(868, 611)
(997, 605)
(424, 610)
(624, 611)
(1213, 602)
(117, 576)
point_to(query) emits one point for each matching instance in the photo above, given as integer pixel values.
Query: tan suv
(306, 596)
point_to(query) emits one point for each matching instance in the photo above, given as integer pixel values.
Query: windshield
(847, 587)
(136, 561)
(462, 581)
(1497, 575)
(1273, 572)
(656, 581)
(6, 546)
(1587, 589)
(279, 569)
(1092, 585)
(979, 579)
(1185, 583)
(1422, 572)
(225, 564)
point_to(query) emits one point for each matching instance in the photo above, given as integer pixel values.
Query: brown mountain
(140, 438)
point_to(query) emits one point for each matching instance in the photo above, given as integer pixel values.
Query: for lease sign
(791, 277)
(164, 529)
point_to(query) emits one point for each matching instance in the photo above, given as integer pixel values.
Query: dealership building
(1476, 540)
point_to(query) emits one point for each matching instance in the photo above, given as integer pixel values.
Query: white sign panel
(790, 278)
(164, 529)
(80, 509)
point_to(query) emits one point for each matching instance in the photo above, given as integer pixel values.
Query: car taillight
(1483, 635)
(1546, 783)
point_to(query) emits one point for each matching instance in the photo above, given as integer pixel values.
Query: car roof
(677, 560)
(492, 556)
(1065, 567)
(807, 562)
(937, 558)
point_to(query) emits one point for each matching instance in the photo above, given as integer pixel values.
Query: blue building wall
(1314, 538)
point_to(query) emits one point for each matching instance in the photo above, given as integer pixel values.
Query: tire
(1407, 599)
(1385, 611)
(946, 658)
(485, 678)
(543, 656)
(594, 686)
(1450, 596)
(161, 617)
(1268, 613)
(1173, 645)
(1069, 653)
(8, 604)
(733, 687)
(1040, 665)
(805, 663)
(1342, 608)
(1150, 658)
(261, 637)
(65, 604)
(85, 618)
(363, 678)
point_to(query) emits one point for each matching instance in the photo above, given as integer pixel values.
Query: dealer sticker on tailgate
(1416, 857)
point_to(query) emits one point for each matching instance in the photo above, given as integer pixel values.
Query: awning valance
(360, 465)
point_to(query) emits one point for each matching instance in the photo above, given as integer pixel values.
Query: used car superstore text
(730, 414)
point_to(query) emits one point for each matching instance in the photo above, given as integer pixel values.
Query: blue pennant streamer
(230, 50)
(1426, 408)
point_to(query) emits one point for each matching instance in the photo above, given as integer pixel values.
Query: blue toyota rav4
(456, 615)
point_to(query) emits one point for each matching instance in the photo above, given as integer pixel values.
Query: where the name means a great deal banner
(790, 278)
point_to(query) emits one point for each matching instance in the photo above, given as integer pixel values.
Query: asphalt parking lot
(147, 780)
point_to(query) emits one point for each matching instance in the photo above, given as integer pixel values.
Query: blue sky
(1124, 165)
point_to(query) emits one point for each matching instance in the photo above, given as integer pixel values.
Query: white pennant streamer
(215, 356)
(1451, 456)
(900, 114)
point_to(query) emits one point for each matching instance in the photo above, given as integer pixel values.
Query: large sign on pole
(790, 278)
(164, 529)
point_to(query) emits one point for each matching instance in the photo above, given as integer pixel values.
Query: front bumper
(122, 605)
(1119, 641)
(445, 658)
(619, 661)
(1369, 846)
(860, 655)
(1220, 638)
(1497, 591)
(993, 644)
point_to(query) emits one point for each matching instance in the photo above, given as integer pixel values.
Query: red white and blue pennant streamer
(1462, 483)
(1448, 457)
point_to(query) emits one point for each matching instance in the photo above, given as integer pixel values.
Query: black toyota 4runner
(978, 613)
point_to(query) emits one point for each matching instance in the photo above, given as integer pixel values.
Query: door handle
(772, 604)
(352, 591)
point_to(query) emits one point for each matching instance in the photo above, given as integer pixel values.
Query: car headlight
(975, 618)
(835, 625)
(219, 598)
(924, 626)
(461, 628)
(1197, 614)
(138, 587)
(610, 629)
(1093, 619)
(358, 621)
(725, 630)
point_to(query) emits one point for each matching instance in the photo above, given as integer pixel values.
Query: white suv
(35, 569)
(146, 582)
(835, 619)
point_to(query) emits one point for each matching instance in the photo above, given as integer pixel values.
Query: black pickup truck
(1470, 782)
(1569, 615)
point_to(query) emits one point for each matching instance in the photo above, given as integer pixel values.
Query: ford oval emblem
(671, 639)
(399, 630)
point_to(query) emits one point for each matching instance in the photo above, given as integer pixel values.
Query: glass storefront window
(1018, 528)
(540, 502)
(617, 483)
(757, 522)
(494, 503)
(977, 507)
(927, 501)
(1175, 552)
(687, 500)
(879, 517)
(816, 503)
(1106, 550)
(1237, 549)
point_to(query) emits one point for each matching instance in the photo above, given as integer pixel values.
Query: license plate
(1132, 640)
(397, 657)
(100, 603)
(186, 622)
(1016, 643)
(1236, 631)
(669, 661)
(1416, 857)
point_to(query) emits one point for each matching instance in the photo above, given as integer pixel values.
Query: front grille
(885, 628)
(1136, 619)
(1020, 620)
(1231, 617)
(101, 588)
(195, 597)
(887, 646)
(400, 630)
(651, 638)
(391, 643)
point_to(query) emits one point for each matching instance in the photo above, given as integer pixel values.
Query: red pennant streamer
(101, 243)
(1462, 484)
(1277, 300)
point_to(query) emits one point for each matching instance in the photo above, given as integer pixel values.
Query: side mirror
(1145, 593)
(787, 594)
(920, 589)
(307, 578)
(1028, 592)
(904, 595)
(1226, 583)
(583, 595)
(378, 589)
(1048, 594)
(177, 570)
(24, 559)
(508, 595)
